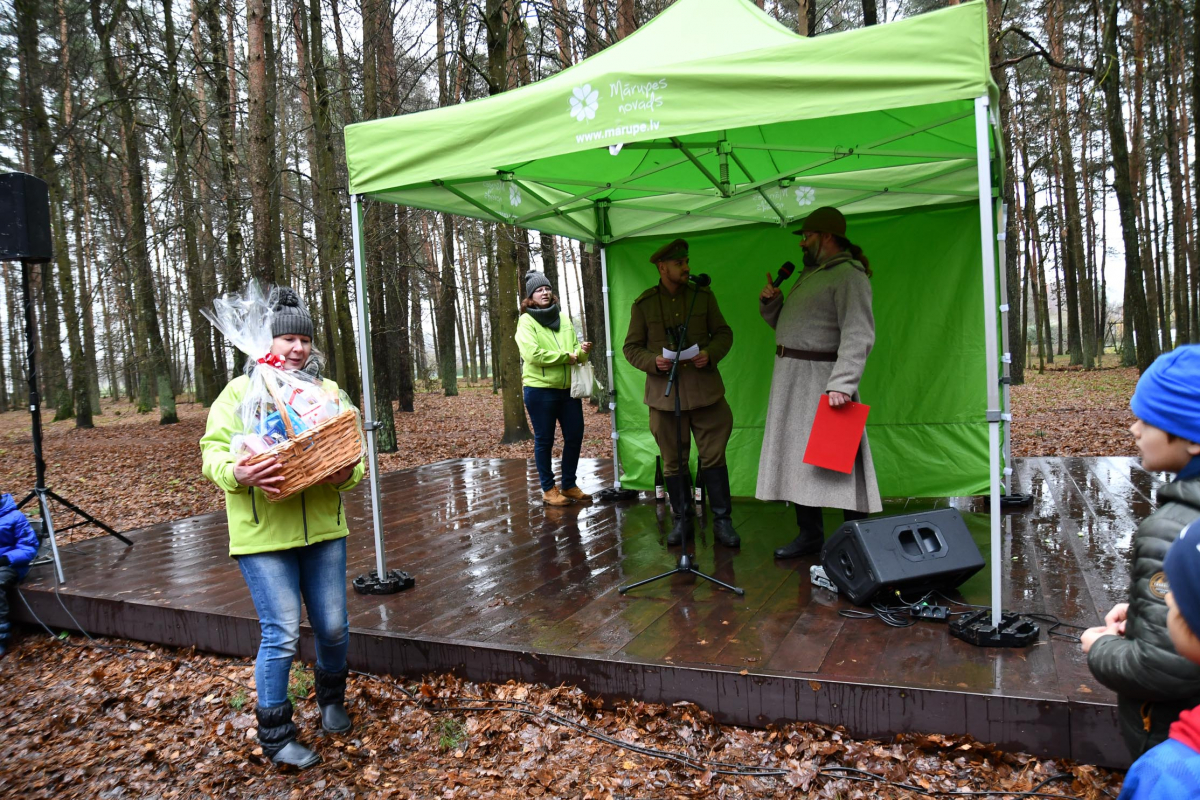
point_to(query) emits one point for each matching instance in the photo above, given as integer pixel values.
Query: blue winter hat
(1182, 566)
(1168, 394)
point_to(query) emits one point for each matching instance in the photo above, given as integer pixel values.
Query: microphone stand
(687, 562)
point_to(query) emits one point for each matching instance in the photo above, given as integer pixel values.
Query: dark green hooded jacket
(1153, 683)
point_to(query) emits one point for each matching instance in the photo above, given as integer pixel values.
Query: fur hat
(290, 316)
(825, 219)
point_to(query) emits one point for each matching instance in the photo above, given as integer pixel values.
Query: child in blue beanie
(18, 546)
(1131, 653)
(1171, 770)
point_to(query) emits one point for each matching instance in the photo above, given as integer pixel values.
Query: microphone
(785, 272)
(703, 279)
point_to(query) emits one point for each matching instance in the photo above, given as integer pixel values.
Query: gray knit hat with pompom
(290, 316)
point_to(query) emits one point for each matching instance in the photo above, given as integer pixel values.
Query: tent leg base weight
(614, 495)
(395, 581)
(1014, 630)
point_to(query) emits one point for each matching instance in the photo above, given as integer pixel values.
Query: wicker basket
(310, 457)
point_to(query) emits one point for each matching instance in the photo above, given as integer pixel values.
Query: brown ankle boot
(556, 498)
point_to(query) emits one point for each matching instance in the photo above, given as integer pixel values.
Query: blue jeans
(547, 407)
(277, 581)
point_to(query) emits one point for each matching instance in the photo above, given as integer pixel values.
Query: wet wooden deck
(507, 588)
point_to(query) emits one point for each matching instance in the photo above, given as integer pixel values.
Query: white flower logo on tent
(514, 195)
(805, 195)
(583, 102)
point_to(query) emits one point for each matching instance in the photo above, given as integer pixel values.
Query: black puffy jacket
(1153, 683)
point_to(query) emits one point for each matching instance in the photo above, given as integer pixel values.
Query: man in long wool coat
(824, 330)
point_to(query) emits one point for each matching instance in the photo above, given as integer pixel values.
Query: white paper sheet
(686, 355)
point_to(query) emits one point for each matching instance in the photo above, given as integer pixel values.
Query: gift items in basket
(308, 425)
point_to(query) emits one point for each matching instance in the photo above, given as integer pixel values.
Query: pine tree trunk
(870, 13)
(1109, 70)
(156, 371)
(446, 299)
(594, 321)
(263, 164)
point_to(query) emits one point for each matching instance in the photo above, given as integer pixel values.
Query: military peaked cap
(675, 251)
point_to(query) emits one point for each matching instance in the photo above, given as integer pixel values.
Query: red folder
(835, 435)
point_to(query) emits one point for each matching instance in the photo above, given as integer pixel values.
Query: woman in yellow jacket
(549, 349)
(287, 551)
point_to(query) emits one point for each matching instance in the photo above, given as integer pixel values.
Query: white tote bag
(582, 379)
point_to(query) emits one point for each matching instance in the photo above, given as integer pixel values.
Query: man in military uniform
(655, 321)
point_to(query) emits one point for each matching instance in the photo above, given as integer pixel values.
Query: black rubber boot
(811, 536)
(331, 699)
(277, 735)
(680, 500)
(716, 480)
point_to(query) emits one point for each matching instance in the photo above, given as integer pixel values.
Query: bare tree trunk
(870, 15)
(204, 366)
(626, 18)
(806, 18)
(263, 163)
(37, 123)
(1109, 70)
(138, 258)
(594, 321)
(516, 428)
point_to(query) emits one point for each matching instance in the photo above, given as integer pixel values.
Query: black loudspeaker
(927, 550)
(24, 218)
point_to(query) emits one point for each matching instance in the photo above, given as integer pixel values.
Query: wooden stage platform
(509, 589)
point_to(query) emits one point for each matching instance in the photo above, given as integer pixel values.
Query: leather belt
(804, 355)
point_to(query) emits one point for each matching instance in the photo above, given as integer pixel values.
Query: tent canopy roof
(712, 115)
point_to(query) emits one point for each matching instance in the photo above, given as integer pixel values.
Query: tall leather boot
(680, 500)
(277, 735)
(811, 536)
(716, 480)
(331, 699)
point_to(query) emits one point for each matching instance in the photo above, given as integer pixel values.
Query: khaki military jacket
(654, 313)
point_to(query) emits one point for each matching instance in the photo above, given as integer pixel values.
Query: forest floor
(114, 719)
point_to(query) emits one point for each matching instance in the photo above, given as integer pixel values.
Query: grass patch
(451, 734)
(299, 684)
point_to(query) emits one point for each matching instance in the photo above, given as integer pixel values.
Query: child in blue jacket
(1171, 770)
(18, 546)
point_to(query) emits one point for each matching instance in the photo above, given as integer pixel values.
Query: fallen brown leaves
(81, 721)
(1071, 412)
(131, 472)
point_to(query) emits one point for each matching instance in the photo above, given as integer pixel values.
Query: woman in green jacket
(287, 551)
(549, 349)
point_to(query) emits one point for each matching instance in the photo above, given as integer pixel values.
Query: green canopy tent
(716, 123)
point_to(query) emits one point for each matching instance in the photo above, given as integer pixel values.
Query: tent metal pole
(987, 239)
(611, 394)
(1006, 353)
(368, 380)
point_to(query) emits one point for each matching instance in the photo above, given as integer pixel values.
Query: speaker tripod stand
(687, 561)
(36, 249)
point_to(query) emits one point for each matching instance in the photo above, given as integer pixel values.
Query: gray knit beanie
(290, 315)
(534, 281)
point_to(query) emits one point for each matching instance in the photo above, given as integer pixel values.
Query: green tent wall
(924, 379)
